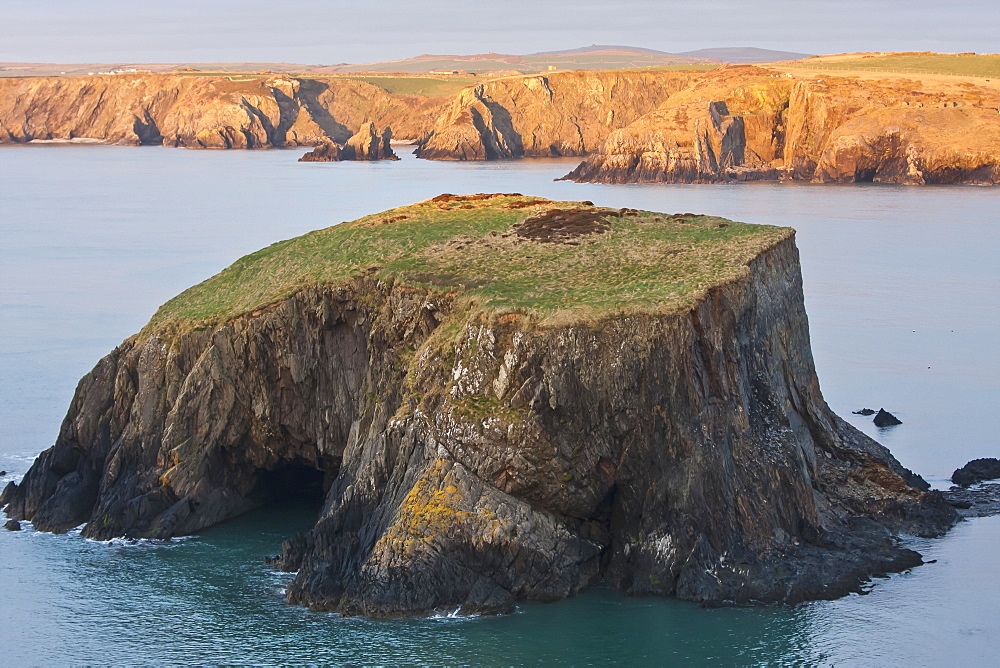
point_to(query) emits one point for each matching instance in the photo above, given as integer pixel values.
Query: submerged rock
(885, 419)
(498, 398)
(864, 411)
(978, 470)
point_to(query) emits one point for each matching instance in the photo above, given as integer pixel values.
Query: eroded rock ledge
(475, 451)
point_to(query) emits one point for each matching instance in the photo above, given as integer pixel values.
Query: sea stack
(495, 398)
(366, 144)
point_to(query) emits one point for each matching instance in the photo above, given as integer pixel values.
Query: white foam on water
(453, 615)
(15, 471)
(122, 541)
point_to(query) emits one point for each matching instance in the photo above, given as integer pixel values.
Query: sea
(902, 290)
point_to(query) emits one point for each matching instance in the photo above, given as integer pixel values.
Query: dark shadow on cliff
(146, 130)
(506, 140)
(309, 93)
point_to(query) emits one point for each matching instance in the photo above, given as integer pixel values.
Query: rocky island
(494, 398)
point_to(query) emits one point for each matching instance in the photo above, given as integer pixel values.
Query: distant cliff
(749, 123)
(560, 114)
(734, 123)
(203, 111)
(494, 398)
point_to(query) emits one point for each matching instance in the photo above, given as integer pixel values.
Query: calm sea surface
(903, 294)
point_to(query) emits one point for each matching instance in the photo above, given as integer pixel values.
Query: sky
(335, 31)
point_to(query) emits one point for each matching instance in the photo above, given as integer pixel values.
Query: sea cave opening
(865, 175)
(295, 483)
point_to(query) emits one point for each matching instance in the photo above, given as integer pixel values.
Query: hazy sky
(324, 32)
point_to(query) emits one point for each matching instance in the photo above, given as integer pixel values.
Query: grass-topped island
(493, 398)
(496, 253)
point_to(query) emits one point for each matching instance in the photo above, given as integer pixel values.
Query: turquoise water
(93, 238)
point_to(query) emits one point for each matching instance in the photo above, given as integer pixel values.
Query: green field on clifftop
(502, 253)
(424, 86)
(962, 64)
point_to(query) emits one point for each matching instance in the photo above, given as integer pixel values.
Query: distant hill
(593, 57)
(599, 47)
(596, 57)
(743, 54)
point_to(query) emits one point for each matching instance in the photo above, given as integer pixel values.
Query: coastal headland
(892, 118)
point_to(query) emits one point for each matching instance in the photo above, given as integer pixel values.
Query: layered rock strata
(749, 123)
(562, 114)
(474, 450)
(203, 111)
(733, 123)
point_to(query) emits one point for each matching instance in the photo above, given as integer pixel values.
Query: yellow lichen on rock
(434, 509)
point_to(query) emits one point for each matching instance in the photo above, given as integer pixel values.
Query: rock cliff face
(914, 146)
(370, 144)
(734, 123)
(202, 112)
(820, 129)
(468, 456)
(562, 114)
(343, 106)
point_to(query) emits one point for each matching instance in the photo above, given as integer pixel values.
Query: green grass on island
(557, 262)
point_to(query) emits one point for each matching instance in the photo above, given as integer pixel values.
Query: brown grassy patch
(560, 226)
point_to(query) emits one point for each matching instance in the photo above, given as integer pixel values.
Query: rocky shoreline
(754, 124)
(981, 501)
(735, 123)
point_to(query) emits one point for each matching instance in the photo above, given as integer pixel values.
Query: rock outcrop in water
(497, 398)
(324, 153)
(203, 111)
(367, 144)
(749, 123)
(370, 144)
(976, 471)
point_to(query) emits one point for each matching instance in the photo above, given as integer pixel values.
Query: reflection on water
(903, 296)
